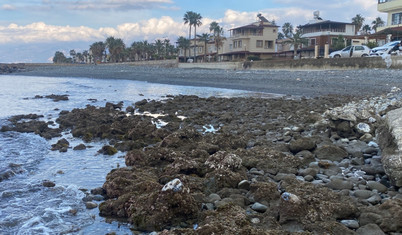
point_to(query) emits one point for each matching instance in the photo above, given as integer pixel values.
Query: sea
(26, 161)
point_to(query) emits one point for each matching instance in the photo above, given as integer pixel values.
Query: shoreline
(362, 82)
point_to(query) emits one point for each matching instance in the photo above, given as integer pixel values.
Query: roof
(324, 22)
(254, 26)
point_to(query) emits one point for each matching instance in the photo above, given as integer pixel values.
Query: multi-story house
(394, 10)
(256, 40)
(321, 32)
(393, 29)
(204, 52)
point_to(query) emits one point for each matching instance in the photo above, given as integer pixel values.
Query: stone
(363, 128)
(300, 144)
(353, 224)
(370, 229)
(339, 184)
(390, 141)
(244, 184)
(175, 185)
(259, 207)
(80, 147)
(331, 152)
(375, 199)
(91, 205)
(363, 194)
(213, 197)
(377, 186)
(48, 184)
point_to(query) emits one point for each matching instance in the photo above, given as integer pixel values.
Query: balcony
(389, 5)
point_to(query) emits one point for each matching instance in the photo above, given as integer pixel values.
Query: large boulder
(390, 141)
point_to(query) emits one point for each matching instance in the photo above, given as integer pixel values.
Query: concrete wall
(305, 64)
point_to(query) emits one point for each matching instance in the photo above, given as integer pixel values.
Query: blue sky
(31, 30)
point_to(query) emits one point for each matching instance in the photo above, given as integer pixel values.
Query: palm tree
(205, 38)
(366, 29)
(196, 22)
(159, 46)
(217, 34)
(378, 22)
(73, 55)
(184, 44)
(297, 40)
(116, 48)
(98, 48)
(85, 54)
(287, 30)
(358, 20)
(188, 17)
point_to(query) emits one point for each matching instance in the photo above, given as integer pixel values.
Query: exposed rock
(331, 152)
(387, 216)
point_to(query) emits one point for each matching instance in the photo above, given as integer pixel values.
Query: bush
(372, 44)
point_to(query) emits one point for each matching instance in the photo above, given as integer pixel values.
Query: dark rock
(331, 152)
(91, 205)
(370, 229)
(339, 184)
(48, 184)
(108, 150)
(80, 147)
(259, 207)
(302, 144)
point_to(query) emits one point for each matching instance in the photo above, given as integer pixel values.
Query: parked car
(351, 51)
(379, 51)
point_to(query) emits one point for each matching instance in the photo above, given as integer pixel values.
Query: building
(253, 40)
(204, 52)
(394, 10)
(321, 32)
(393, 30)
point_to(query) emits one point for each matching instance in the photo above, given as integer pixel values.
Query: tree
(217, 34)
(116, 48)
(98, 49)
(184, 44)
(281, 35)
(287, 30)
(358, 20)
(73, 55)
(187, 18)
(338, 43)
(205, 37)
(378, 22)
(296, 39)
(59, 58)
(85, 54)
(366, 29)
(193, 19)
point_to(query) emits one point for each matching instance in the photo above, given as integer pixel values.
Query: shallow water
(27, 207)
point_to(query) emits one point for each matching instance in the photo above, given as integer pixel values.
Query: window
(259, 43)
(235, 44)
(239, 44)
(396, 18)
(200, 49)
(312, 42)
(269, 44)
(359, 48)
(230, 46)
(274, 30)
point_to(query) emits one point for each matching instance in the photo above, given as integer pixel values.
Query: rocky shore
(11, 68)
(240, 165)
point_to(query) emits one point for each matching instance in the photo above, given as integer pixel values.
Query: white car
(351, 51)
(384, 49)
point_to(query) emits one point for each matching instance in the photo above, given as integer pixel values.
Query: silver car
(351, 51)
(384, 49)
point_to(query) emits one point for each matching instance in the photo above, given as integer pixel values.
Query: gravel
(365, 82)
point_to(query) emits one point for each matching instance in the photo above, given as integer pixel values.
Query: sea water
(26, 206)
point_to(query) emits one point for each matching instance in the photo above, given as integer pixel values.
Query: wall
(304, 64)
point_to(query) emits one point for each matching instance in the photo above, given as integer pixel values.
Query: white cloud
(41, 32)
(8, 7)
(108, 4)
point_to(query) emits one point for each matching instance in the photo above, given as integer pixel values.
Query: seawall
(303, 64)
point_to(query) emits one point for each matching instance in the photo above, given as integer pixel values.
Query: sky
(33, 30)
